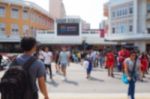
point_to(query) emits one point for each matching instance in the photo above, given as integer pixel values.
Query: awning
(128, 37)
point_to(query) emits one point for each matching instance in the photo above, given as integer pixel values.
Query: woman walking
(131, 69)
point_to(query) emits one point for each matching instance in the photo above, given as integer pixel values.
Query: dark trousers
(36, 96)
(50, 70)
(131, 89)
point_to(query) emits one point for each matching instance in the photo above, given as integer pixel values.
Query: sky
(89, 10)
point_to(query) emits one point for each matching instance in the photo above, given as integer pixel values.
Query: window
(130, 28)
(113, 14)
(26, 30)
(25, 14)
(2, 28)
(148, 8)
(118, 13)
(15, 29)
(14, 13)
(113, 30)
(131, 10)
(148, 30)
(2, 11)
(126, 11)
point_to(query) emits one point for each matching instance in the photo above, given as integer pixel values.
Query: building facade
(19, 19)
(129, 22)
(71, 30)
(57, 9)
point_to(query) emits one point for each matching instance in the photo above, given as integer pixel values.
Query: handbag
(124, 79)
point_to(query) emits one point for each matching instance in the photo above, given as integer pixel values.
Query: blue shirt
(36, 70)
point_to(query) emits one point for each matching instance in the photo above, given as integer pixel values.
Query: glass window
(113, 30)
(130, 28)
(15, 29)
(148, 7)
(2, 28)
(25, 14)
(118, 13)
(148, 30)
(126, 11)
(113, 14)
(131, 10)
(14, 13)
(25, 28)
(2, 11)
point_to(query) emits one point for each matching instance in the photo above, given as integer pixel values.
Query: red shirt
(110, 59)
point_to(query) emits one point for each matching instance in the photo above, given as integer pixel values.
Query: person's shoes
(64, 78)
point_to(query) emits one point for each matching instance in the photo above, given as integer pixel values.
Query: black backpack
(16, 82)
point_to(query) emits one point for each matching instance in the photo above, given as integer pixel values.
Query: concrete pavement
(100, 86)
(94, 96)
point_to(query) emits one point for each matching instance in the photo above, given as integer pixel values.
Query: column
(135, 15)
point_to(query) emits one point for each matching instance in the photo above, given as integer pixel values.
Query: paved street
(100, 86)
(99, 83)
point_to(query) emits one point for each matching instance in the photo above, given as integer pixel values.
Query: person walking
(110, 61)
(48, 56)
(131, 66)
(1, 57)
(37, 69)
(144, 64)
(87, 63)
(64, 61)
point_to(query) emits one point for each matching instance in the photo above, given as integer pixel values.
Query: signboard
(68, 29)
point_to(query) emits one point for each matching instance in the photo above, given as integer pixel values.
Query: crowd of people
(126, 61)
(109, 59)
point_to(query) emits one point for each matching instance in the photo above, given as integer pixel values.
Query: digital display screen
(68, 29)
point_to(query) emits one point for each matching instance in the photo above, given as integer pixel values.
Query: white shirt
(47, 57)
(41, 54)
(85, 64)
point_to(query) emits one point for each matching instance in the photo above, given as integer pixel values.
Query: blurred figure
(1, 68)
(64, 61)
(41, 54)
(122, 55)
(110, 61)
(144, 64)
(101, 59)
(48, 57)
(131, 69)
(88, 66)
(57, 63)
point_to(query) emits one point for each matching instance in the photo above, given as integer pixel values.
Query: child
(88, 65)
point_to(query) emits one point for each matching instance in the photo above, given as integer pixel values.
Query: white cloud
(89, 10)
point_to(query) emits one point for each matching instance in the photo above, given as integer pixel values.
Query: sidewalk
(94, 96)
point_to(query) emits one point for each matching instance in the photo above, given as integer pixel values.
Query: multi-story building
(129, 22)
(19, 18)
(57, 9)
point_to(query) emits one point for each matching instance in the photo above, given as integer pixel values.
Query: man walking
(37, 69)
(48, 56)
(64, 61)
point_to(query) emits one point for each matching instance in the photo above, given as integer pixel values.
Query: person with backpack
(131, 68)
(19, 81)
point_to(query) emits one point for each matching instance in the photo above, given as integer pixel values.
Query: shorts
(63, 65)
